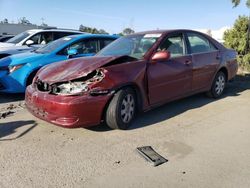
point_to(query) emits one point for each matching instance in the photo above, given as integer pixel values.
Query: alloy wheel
(220, 84)
(128, 108)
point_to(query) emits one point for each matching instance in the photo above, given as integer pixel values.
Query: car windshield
(53, 45)
(18, 38)
(134, 45)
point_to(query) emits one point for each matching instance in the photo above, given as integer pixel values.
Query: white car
(32, 39)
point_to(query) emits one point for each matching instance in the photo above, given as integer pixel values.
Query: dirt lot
(206, 142)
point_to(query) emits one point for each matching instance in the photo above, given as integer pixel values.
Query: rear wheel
(121, 110)
(218, 86)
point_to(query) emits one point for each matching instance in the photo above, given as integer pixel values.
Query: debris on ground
(5, 114)
(10, 109)
(150, 155)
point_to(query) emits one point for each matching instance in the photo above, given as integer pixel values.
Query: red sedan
(135, 73)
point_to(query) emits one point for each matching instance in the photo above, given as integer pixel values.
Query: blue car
(18, 71)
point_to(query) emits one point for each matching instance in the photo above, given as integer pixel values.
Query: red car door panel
(170, 79)
(205, 58)
(204, 69)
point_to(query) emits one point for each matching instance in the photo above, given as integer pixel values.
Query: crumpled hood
(72, 69)
(6, 44)
(21, 58)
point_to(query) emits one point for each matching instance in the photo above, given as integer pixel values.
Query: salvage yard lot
(206, 142)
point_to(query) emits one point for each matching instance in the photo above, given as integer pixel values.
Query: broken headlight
(78, 86)
(70, 88)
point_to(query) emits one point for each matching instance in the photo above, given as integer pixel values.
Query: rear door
(170, 79)
(205, 60)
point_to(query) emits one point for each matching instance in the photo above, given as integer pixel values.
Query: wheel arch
(224, 70)
(31, 75)
(138, 94)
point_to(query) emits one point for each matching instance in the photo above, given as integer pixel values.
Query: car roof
(166, 31)
(55, 30)
(87, 35)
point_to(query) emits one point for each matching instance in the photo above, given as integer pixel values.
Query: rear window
(199, 44)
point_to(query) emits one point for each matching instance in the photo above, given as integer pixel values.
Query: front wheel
(121, 110)
(218, 86)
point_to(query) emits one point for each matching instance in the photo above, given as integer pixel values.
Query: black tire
(218, 86)
(119, 115)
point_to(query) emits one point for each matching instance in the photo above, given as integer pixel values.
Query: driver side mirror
(29, 42)
(72, 52)
(161, 56)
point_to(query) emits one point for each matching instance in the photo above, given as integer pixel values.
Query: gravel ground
(206, 142)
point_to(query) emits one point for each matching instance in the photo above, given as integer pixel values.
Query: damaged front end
(73, 87)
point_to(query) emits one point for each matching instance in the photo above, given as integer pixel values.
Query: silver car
(32, 39)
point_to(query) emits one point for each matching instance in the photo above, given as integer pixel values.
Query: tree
(81, 27)
(91, 30)
(236, 37)
(236, 3)
(102, 31)
(5, 21)
(85, 29)
(94, 31)
(128, 31)
(24, 21)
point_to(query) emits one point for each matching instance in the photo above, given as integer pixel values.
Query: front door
(172, 78)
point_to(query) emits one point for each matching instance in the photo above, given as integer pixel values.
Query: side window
(199, 44)
(90, 46)
(36, 38)
(58, 35)
(173, 44)
(46, 37)
(105, 42)
(83, 47)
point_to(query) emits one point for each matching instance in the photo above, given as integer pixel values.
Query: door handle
(188, 62)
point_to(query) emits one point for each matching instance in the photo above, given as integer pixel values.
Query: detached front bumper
(66, 111)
